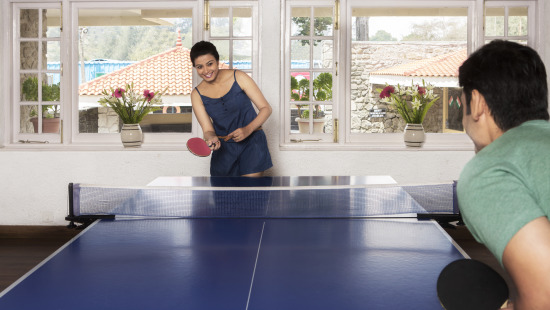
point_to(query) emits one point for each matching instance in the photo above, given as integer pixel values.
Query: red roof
(445, 65)
(171, 68)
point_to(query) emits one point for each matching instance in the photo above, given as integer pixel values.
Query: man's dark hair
(512, 79)
(203, 48)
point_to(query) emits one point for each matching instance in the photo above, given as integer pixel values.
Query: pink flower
(421, 90)
(118, 92)
(387, 91)
(148, 94)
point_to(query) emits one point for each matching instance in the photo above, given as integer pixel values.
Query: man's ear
(478, 105)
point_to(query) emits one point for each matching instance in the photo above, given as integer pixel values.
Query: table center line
(255, 264)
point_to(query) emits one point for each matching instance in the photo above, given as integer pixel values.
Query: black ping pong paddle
(472, 285)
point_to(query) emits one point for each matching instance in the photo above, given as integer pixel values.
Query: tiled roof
(445, 65)
(171, 68)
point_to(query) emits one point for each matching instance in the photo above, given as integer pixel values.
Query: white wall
(33, 184)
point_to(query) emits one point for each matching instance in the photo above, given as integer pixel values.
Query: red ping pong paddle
(470, 284)
(198, 147)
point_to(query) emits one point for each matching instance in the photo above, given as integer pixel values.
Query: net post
(85, 220)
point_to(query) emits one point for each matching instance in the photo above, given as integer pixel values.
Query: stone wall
(368, 57)
(29, 61)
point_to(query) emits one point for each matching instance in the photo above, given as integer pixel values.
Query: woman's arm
(209, 133)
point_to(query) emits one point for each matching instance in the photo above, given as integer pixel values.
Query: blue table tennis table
(297, 259)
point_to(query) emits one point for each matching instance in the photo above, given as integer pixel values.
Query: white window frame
(151, 139)
(69, 137)
(16, 71)
(389, 141)
(303, 140)
(531, 16)
(255, 38)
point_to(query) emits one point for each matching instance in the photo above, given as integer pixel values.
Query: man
(504, 191)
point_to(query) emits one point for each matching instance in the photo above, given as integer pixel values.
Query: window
(137, 44)
(62, 74)
(405, 46)
(394, 42)
(37, 92)
(509, 21)
(310, 72)
(233, 30)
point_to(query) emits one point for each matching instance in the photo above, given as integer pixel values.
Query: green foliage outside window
(322, 91)
(49, 93)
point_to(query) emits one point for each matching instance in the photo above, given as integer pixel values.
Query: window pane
(323, 21)
(242, 22)
(223, 50)
(322, 54)
(28, 22)
(517, 21)
(149, 48)
(53, 23)
(300, 23)
(29, 55)
(219, 22)
(50, 87)
(403, 46)
(51, 58)
(494, 22)
(452, 116)
(305, 121)
(242, 54)
(299, 88)
(299, 54)
(322, 86)
(29, 87)
(28, 119)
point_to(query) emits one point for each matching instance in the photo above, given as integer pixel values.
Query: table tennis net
(285, 202)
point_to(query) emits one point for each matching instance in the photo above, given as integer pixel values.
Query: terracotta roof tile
(171, 68)
(445, 65)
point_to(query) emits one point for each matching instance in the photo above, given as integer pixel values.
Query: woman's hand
(239, 134)
(212, 141)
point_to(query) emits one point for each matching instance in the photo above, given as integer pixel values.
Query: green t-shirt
(507, 185)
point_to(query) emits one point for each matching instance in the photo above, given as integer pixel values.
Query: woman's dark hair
(203, 48)
(512, 79)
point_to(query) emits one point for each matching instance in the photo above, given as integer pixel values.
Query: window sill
(91, 147)
(386, 142)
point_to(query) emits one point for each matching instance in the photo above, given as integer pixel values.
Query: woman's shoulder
(243, 79)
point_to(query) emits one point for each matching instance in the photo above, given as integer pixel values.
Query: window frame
(387, 141)
(293, 139)
(152, 139)
(531, 16)
(255, 38)
(15, 102)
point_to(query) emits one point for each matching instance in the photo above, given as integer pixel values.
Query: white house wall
(33, 184)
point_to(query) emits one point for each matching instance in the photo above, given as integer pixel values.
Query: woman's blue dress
(232, 111)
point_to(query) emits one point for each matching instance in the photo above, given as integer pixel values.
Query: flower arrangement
(412, 103)
(130, 106)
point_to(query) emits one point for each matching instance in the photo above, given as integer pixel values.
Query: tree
(438, 29)
(382, 35)
(362, 28)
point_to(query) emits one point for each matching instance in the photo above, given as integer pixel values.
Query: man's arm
(527, 260)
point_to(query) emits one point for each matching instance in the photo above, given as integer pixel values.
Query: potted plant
(322, 91)
(50, 113)
(131, 107)
(412, 103)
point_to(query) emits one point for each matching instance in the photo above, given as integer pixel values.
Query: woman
(222, 103)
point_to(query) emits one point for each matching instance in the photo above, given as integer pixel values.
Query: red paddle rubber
(198, 147)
